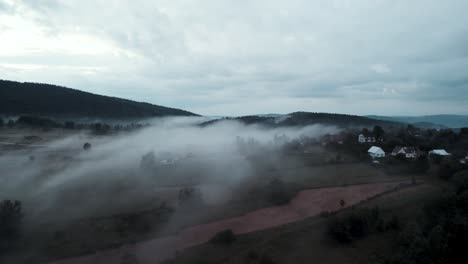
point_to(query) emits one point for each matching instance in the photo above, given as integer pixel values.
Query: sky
(240, 57)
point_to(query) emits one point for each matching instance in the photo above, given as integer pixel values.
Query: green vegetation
(190, 197)
(225, 237)
(278, 193)
(441, 235)
(10, 223)
(359, 223)
(44, 99)
(306, 118)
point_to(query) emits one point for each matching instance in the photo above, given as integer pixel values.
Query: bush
(394, 223)
(266, 260)
(129, 258)
(460, 181)
(353, 226)
(448, 168)
(189, 196)
(440, 235)
(278, 192)
(225, 237)
(36, 121)
(10, 222)
(87, 146)
(11, 123)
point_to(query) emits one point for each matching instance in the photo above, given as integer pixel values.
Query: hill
(437, 121)
(18, 98)
(307, 118)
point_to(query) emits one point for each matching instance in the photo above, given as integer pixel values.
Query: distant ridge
(17, 98)
(437, 121)
(308, 118)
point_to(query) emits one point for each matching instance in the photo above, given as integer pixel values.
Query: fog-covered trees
(10, 222)
(354, 226)
(225, 237)
(189, 196)
(278, 192)
(441, 234)
(87, 146)
(378, 132)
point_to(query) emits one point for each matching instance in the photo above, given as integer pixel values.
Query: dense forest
(308, 118)
(18, 98)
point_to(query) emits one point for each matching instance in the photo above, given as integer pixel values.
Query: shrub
(225, 237)
(394, 223)
(87, 146)
(11, 123)
(190, 197)
(266, 260)
(353, 226)
(129, 258)
(252, 255)
(448, 168)
(460, 181)
(10, 222)
(278, 192)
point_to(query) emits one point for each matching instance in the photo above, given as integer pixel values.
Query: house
(368, 138)
(376, 152)
(407, 152)
(439, 152)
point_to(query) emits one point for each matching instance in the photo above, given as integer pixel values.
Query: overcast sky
(236, 57)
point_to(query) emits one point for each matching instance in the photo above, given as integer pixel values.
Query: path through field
(306, 204)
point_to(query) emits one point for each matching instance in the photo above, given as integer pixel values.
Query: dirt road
(306, 204)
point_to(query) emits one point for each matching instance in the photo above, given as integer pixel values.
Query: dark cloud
(231, 54)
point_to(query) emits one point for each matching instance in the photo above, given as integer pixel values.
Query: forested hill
(307, 118)
(44, 99)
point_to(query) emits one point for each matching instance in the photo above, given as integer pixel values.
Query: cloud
(189, 53)
(380, 68)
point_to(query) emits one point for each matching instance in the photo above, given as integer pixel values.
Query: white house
(408, 152)
(376, 152)
(440, 152)
(362, 138)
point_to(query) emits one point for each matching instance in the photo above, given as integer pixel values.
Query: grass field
(306, 242)
(103, 225)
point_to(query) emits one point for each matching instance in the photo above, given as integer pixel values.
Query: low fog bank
(138, 170)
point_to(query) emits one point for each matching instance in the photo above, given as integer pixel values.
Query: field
(89, 203)
(306, 242)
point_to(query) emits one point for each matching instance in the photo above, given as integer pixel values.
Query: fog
(131, 171)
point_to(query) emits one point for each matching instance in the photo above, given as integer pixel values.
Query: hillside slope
(44, 99)
(307, 118)
(437, 121)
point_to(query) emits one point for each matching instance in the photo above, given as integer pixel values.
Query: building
(366, 138)
(376, 152)
(440, 152)
(407, 152)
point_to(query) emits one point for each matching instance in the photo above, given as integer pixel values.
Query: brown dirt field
(306, 204)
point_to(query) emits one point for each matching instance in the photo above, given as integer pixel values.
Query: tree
(129, 258)
(278, 192)
(225, 237)
(148, 161)
(190, 196)
(448, 168)
(87, 146)
(378, 132)
(11, 123)
(70, 125)
(10, 222)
